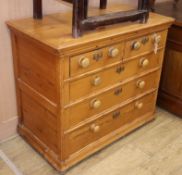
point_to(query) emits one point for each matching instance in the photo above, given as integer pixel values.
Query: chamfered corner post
(79, 14)
(37, 9)
(103, 4)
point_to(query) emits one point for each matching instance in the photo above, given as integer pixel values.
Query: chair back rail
(81, 22)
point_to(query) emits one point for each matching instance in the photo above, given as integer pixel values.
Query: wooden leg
(85, 8)
(140, 4)
(78, 15)
(152, 5)
(103, 4)
(144, 5)
(37, 9)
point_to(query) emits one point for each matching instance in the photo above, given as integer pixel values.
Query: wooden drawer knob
(157, 38)
(96, 81)
(113, 52)
(136, 45)
(139, 105)
(84, 62)
(144, 62)
(95, 104)
(141, 84)
(95, 128)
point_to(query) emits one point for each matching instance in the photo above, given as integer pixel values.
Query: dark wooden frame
(81, 21)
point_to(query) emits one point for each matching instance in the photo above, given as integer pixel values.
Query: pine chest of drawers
(76, 96)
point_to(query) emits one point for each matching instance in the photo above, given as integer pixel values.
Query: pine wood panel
(84, 86)
(40, 121)
(84, 135)
(82, 111)
(41, 77)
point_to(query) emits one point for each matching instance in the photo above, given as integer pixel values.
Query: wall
(14, 9)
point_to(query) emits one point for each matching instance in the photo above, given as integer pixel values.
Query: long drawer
(77, 139)
(87, 108)
(82, 87)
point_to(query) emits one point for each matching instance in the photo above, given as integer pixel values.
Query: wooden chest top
(54, 31)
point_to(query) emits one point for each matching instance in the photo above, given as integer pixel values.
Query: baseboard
(8, 128)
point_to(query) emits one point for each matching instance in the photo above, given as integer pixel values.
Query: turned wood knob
(84, 62)
(139, 105)
(113, 52)
(144, 62)
(157, 38)
(95, 104)
(136, 45)
(141, 84)
(95, 128)
(96, 81)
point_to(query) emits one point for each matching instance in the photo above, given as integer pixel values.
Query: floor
(154, 149)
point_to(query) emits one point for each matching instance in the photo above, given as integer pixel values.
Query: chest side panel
(37, 78)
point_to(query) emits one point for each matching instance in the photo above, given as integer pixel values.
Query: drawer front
(95, 59)
(144, 44)
(108, 77)
(83, 136)
(81, 111)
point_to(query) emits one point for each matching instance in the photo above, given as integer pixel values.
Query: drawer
(95, 59)
(81, 111)
(144, 44)
(77, 139)
(83, 87)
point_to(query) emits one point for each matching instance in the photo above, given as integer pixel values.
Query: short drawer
(95, 59)
(87, 85)
(81, 111)
(144, 44)
(77, 139)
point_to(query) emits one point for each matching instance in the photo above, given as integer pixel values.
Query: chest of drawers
(76, 96)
